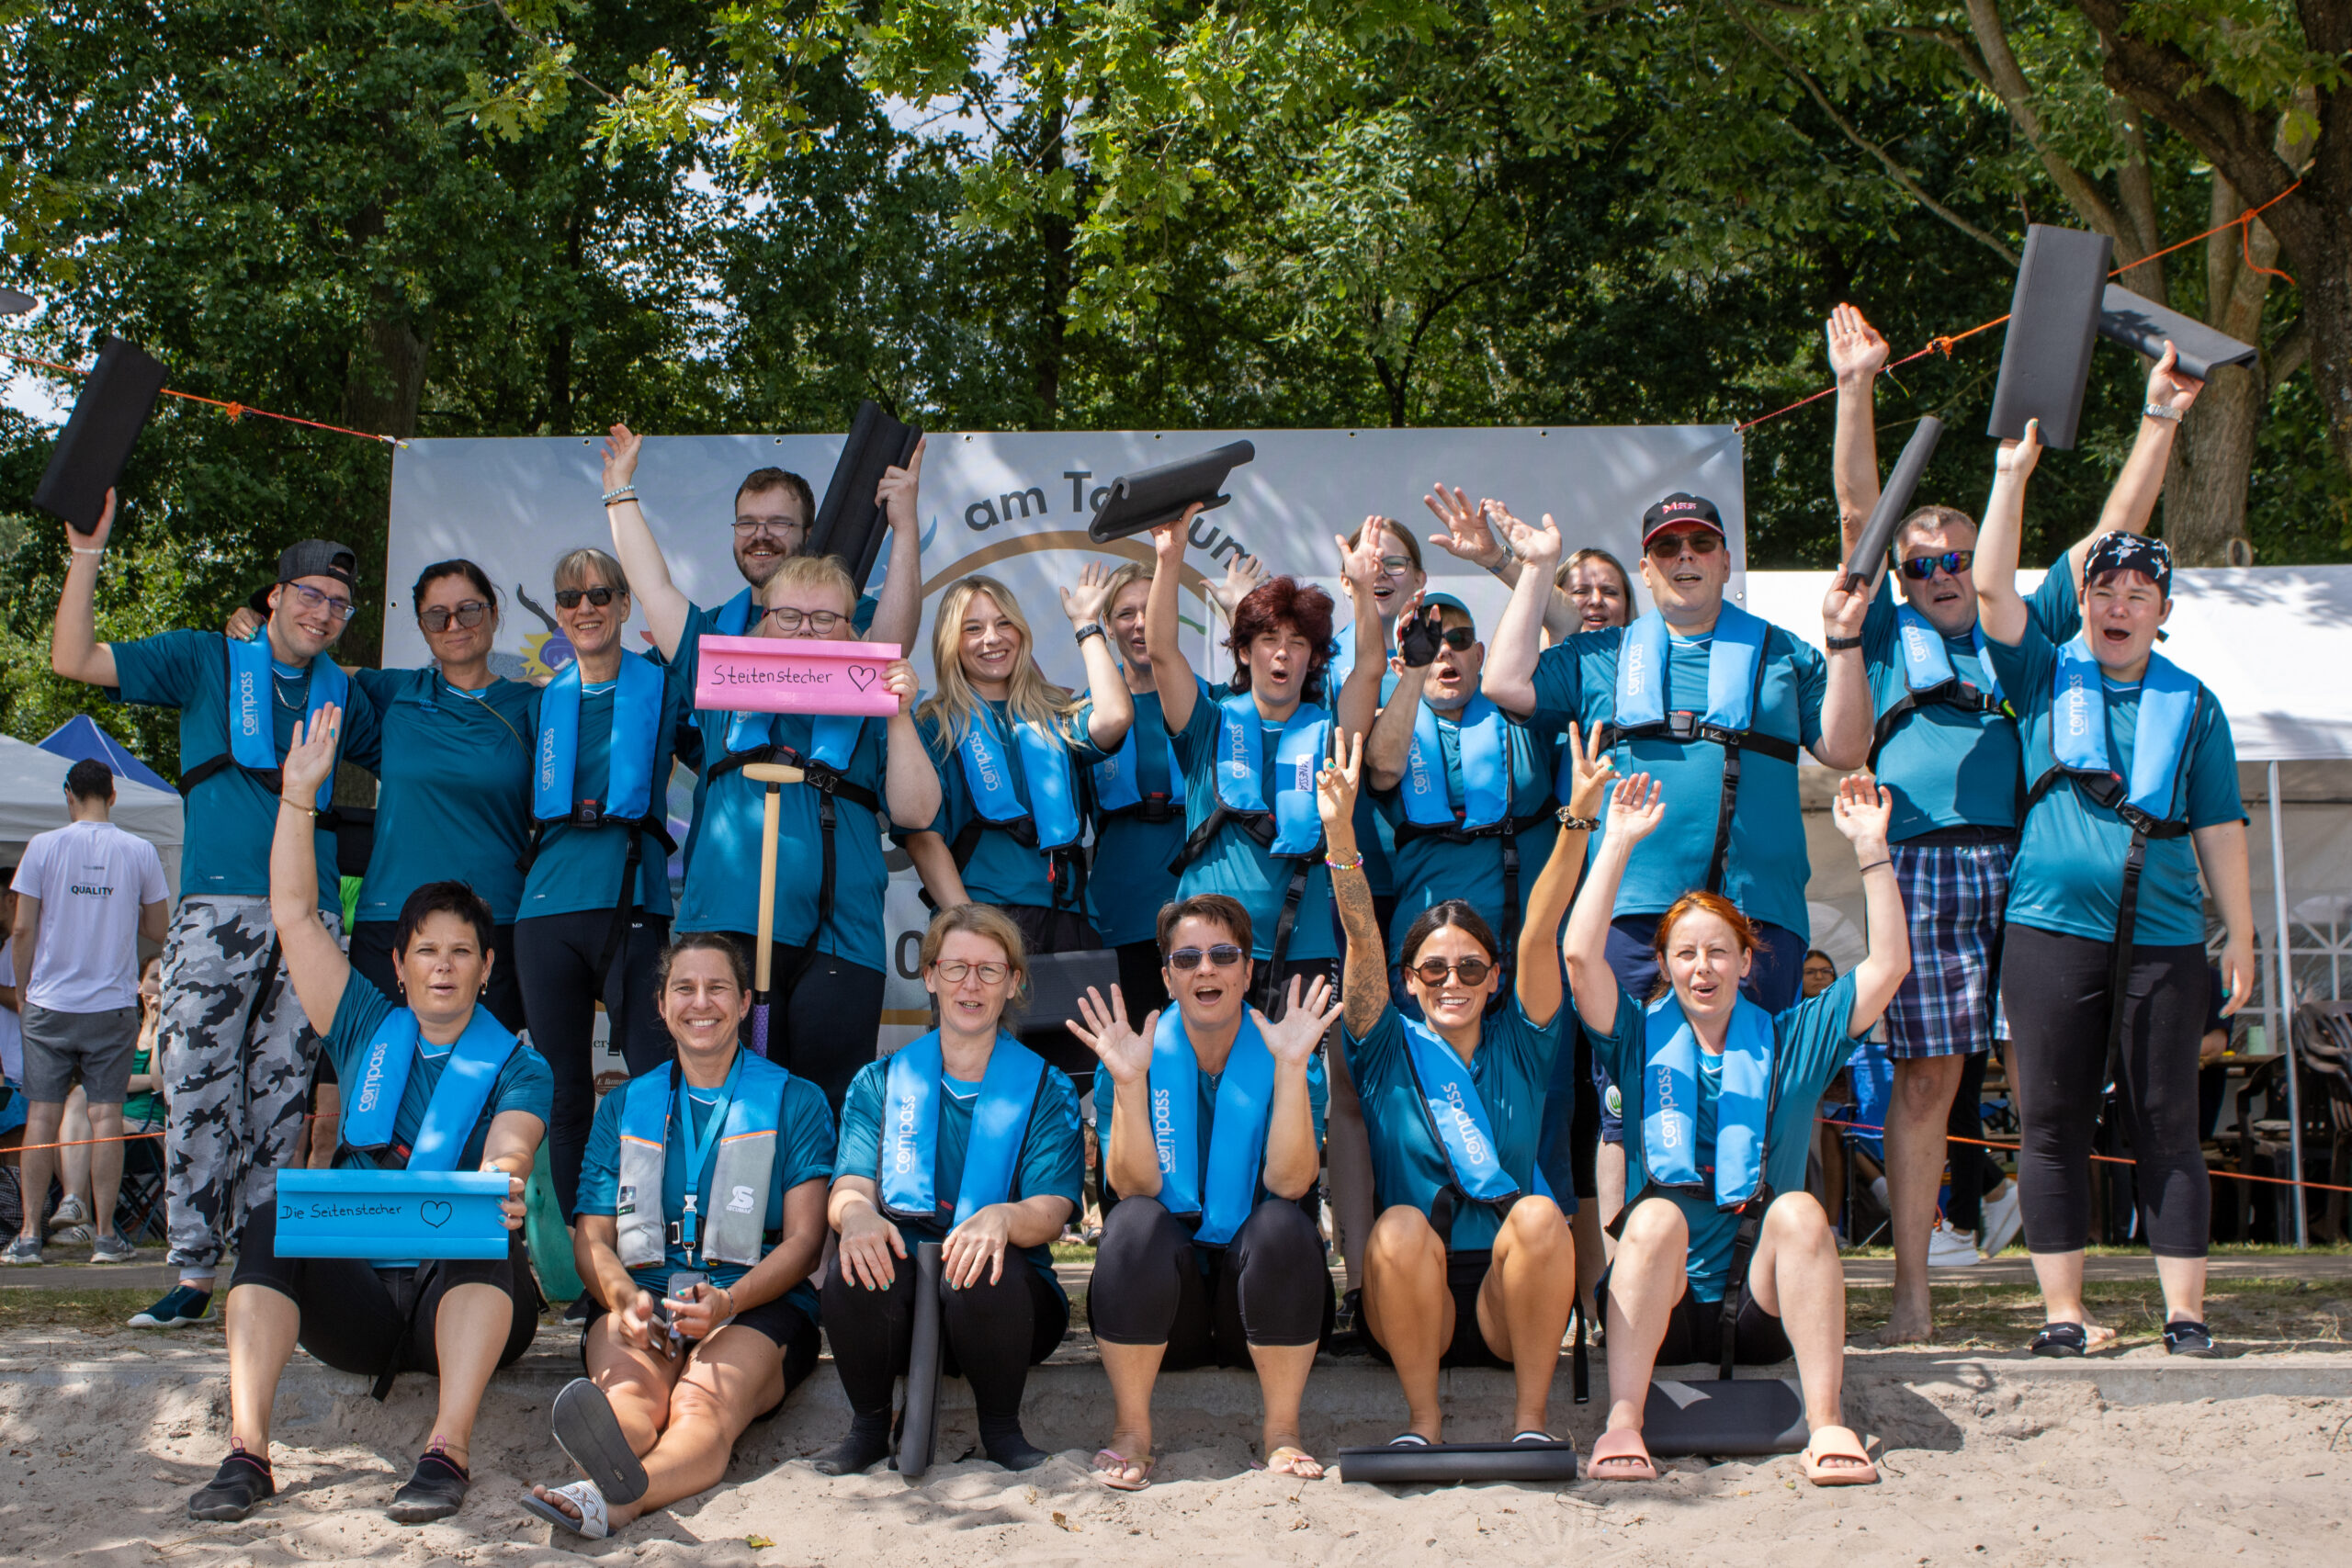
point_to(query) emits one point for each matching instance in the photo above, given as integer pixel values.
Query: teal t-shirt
(1510, 1069)
(1133, 875)
(579, 868)
(526, 1083)
(2068, 874)
(1766, 869)
(1944, 767)
(1810, 1044)
(231, 818)
(1004, 870)
(1232, 864)
(457, 789)
(722, 886)
(1052, 1161)
(1429, 869)
(1318, 1098)
(804, 1152)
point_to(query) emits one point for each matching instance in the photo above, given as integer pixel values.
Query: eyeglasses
(788, 619)
(1918, 569)
(1666, 547)
(569, 598)
(1225, 955)
(1470, 970)
(747, 526)
(1395, 566)
(469, 613)
(955, 971)
(310, 598)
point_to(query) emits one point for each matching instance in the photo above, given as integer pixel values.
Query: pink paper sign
(765, 674)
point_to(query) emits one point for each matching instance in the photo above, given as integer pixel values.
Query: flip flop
(593, 1522)
(1624, 1448)
(1408, 1440)
(590, 1436)
(1108, 1474)
(1837, 1442)
(1284, 1461)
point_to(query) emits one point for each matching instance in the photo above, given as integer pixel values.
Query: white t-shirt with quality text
(91, 879)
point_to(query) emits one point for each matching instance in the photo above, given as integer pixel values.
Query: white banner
(1016, 506)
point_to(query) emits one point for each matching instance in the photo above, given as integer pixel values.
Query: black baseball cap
(2131, 552)
(1677, 508)
(318, 557)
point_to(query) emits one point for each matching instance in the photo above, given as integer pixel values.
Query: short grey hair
(575, 567)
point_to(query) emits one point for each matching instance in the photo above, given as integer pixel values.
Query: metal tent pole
(2285, 990)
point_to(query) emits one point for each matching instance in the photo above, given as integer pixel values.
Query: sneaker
(1948, 1248)
(74, 1235)
(2004, 1217)
(24, 1249)
(70, 1212)
(181, 1306)
(111, 1249)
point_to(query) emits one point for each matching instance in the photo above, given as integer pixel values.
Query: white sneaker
(70, 1212)
(2004, 1217)
(1948, 1248)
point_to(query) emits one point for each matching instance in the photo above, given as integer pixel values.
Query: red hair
(1743, 930)
(1265, 608)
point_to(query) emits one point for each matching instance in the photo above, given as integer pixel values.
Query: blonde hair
(956, 705)
(1127, 577)
(574, 567)
(981, 920)
(812, 571)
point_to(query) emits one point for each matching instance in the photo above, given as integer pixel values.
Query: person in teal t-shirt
(723, 1349)
(1719, 1098)
(2128, 757)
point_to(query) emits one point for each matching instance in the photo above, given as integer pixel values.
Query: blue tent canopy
(80, 738)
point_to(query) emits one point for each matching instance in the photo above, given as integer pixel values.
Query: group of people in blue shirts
(1331, 888)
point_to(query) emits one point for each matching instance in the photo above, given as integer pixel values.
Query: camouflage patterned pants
(235, 1099)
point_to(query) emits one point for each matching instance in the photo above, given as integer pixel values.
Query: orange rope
(2243, 223)
(2104, 1159)
(233, 410)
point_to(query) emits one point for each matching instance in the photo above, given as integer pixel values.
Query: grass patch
(1072, 1252)
(2301, 1314)
(89, 1311)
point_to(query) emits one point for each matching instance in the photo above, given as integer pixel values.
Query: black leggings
(826, 1018)
(556, 956)
(371, 955)
(357, 1318)
(2054, 989)
(1270, 1286)
(990, 1334)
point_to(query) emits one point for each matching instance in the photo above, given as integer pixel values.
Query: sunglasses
(1459, 639)
(569, 598)
(469, 613)
(1666, 547)
(1918, 569)
(1225, 955)
(310, 598)
(1469, 971)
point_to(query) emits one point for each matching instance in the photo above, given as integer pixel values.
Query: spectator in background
(86, 894)
(143, 1101)
(1820, 972)
(12, 1039)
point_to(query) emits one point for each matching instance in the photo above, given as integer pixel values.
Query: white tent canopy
(32, 800)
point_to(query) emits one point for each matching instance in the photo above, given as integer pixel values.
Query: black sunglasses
(469, 613)
(569, 598)
(1225, 955)
(1918, 569)
(1470, 970)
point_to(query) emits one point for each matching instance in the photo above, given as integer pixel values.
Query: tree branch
(2016, 94)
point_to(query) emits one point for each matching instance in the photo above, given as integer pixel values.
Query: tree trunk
(385, 385)
(2205, 489)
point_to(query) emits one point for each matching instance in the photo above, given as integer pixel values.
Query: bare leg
(74, 1159)
(728, 1380)
(40, 1163)
(2184, 1284)
(2060, 1274)
(1608, 1176)
(1524, 1305)
(262, 1327)
(1645, 1279)
(1917, 1117)
(1409, 1309)
(1346, 1147)
(1281, 1383)
(1133, 1370)
(1833, 1176)
(322, 1129)
(105, 1165)
(1796, 1276)
(468, 1333)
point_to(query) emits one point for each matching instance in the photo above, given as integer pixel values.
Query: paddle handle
(763, 956)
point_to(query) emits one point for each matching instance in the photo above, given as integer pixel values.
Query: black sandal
(2187, 1337)
(2061, 1339)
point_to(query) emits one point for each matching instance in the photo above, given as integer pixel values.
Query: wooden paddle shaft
(774, 775)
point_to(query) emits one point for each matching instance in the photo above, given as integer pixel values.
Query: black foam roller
(1145, 500)
(848, 523)
(2053, 319)
(2144, 325)
(919, 1424)
(1729, 1417)
(15, 304)
(1439, 1464)
(1893, 500)
(100, 433)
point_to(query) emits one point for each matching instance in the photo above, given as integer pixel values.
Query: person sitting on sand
(456, 1092)
(702, 1319)
(1721, 1236)
(1470, 1261)
(1210, 1255)
(986, 1158)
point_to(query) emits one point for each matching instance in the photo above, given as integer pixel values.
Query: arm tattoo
(1364, 986)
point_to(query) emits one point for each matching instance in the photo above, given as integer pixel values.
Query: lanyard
(698, 1148)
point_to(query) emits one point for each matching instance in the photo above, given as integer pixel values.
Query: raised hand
(1857, 353)
(310, 759)
(1168, 540)
(1467, 535)
(1305, 1021)
(1124, 1051)
(1084, 602)
(1419, 634)
(1860, 810)
(1335, 787)
(2167, 387)
(1360, 562)
(899, 677)
(2017, 456)
(1636, 806)
(621, 448)
(96, 539)
(896, 493)
(1844, 607)
(1592, 770)
(1537, 547)
(1242, 573)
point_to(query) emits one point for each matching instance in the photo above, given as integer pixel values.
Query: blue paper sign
(391, 1213)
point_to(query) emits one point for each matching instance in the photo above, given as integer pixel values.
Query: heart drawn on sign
(434, 1211)
(862, 675)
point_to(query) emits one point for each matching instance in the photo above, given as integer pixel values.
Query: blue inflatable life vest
(628, 788)
(1236, 1132)
(1049, 815)
(372, 1091)
(1485, 736)
(1670, 1100)
(912, 1095)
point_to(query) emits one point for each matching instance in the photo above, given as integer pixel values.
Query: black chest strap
(1952, 693)
(1686, 728)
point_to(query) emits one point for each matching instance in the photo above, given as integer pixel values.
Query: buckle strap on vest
(1952, 693)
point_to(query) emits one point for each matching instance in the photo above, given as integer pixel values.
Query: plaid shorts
(1953, 897)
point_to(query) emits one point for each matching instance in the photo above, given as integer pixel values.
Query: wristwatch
(1091, 629)
(1842, 643)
